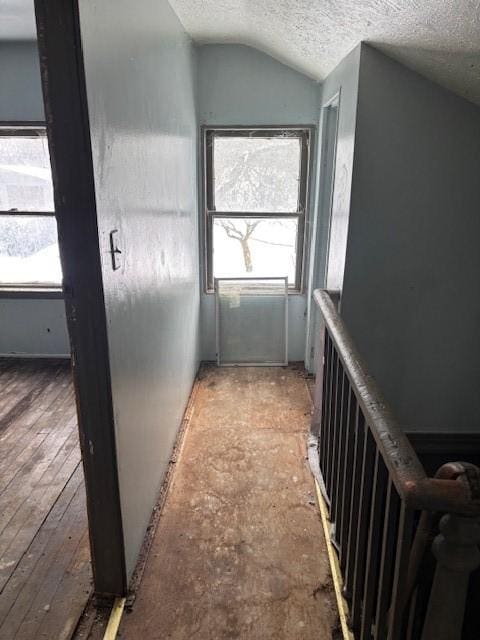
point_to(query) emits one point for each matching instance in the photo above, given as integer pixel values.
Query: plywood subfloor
(45, 574)
(239, 550)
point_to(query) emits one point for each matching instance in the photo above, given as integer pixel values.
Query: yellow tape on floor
(334, 567)
(119, 604)
(114, 620)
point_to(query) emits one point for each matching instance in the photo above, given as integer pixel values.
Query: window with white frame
(29, 255)
(255, 198)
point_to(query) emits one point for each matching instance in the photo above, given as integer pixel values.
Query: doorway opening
(45, 570)
(320, 239)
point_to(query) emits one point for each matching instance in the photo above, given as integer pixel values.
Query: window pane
(252, 323)
(25, 175)
(29, 250)
(255, 247)
(256, 174)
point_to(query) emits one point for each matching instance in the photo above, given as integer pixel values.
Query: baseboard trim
(425, 442)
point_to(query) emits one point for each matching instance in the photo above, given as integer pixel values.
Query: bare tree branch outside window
(256, 193)
(245, 236)
(255, 175)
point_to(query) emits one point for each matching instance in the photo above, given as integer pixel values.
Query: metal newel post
(457, 553)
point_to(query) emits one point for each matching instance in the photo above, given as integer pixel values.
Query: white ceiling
(438, 38)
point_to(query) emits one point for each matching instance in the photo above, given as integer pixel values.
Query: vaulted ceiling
(438, 38)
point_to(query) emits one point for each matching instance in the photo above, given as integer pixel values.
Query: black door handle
(115, 252)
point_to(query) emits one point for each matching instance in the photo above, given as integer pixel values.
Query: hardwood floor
(45, 573)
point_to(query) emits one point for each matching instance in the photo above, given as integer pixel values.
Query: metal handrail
(408, 475)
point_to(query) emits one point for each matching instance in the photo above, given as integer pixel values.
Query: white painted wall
(27, 327)
(238, 85)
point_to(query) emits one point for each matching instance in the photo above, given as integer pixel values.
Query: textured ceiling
(438, 38)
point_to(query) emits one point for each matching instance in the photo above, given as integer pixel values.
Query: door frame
(320, 238)
(66, 109)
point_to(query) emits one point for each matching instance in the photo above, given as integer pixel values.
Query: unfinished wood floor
(45, 574)
(239, 550)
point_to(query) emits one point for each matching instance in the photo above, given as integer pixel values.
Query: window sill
(31, 293)
(290, 292)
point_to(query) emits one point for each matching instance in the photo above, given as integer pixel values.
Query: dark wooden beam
(64, 91)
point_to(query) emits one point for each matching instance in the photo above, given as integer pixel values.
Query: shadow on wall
(463, 66)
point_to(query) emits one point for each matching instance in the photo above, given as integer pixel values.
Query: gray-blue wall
(33, 327)
(239, 85)
(21, 94)
(409, 296)
(27, 327)
(140, 75)
(236, 85)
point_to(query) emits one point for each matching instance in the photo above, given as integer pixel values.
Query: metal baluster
(337, 506)
(336, 453)
(354, 503)
(387, 561)
(331, 423)
(347, 476)
(369, 453)
(380, 478)
(396, 617)
(322, 447)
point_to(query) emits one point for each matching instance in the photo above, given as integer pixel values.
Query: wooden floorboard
(45, 572)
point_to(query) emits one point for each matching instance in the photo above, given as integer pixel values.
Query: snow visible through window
(255, 247)
(256, 175)
(28, 244)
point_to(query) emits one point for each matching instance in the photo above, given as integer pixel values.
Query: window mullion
(255, 214)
